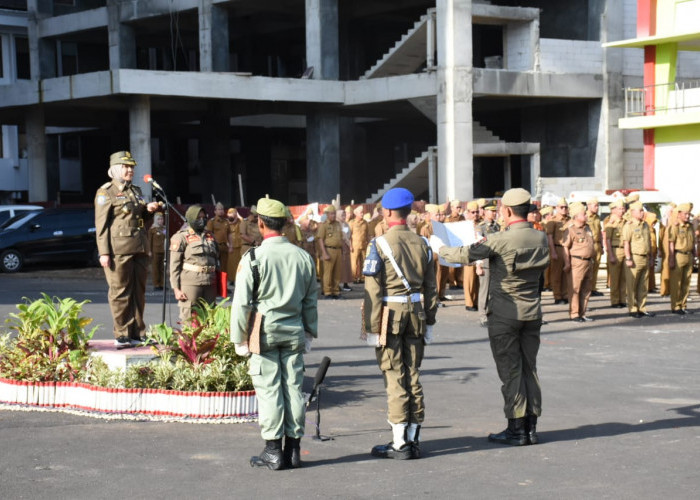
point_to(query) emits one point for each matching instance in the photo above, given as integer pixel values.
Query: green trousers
(514, 345)
(278, 374)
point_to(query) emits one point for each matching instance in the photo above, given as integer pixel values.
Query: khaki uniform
(636, 233)
(664, 287)
(292, 232)
(485, 229)
(331, 234)
(119, 228)
(381, 228)
(194, 260)
(654, 254)
(401, 358)
(235, 256)
(555, 229)
(683, 238)
(616, 271)
(220, 227)
(455, 275)
(360, 240)
(287, 296)
(579, 244)
(593, 222)
(440, 275)
(249, 227)
(345, 261)
(156, 246)
(517, 258)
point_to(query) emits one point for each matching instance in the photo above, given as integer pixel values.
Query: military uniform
(485, 228)
(635, 234)
(235, 256)
(616, 270)
(194, 260)
(120, 211)
(593, 221)
(286, 298)
(555, 229)
(682, 238)
(156, 245)
(331, 235)
(579, 246)
(401, 357)
(517, 257)
(220, 227)
(360, 240)
(249, 229)
(292, 232)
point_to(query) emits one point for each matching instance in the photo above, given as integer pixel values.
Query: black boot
(271, 456)
(514, 435)
(531, 429)
(388, 451)
(415, 444)
(292, 452)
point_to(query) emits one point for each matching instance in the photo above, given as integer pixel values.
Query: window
(22, 57)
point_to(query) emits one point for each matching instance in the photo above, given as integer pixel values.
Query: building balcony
(663, 105)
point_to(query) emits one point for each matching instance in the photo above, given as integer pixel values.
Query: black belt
(681, 251)
(557, 245)
(582, 258)
(334, 248)
(640, 254)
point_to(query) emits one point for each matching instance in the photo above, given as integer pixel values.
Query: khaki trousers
(596, 266)
(357, 261)
(194, 293)
(331, 271)
(580, 286)
(679, 281)
(637, 283)
(157, 268)
(616, 272)
(470, 283)
(514, 345)
(126, 277)
(484, 281)
(557, 276)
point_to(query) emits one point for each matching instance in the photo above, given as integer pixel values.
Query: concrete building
(666, 107)
(306, 99)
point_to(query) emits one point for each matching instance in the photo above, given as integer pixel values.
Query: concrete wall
(570, 56)
(520, 47)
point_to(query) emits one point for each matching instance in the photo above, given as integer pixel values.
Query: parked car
(51, 235)
(10, 211)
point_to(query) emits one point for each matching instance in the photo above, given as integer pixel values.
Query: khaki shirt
(331, 234)
(681, 235)
(156, 239)
(119, 219)
(381, 228)
(221, 228)
(188, 247)
(249, 227)
(556, 227)
(360, 233)
(486, 228)
(517, 257)
(613, 232)
(292, 232)
(236, 233)
(637, 233)
(579, 241)
(414, 258)
(593, 222)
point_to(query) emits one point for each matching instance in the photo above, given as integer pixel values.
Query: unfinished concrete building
(306, 99)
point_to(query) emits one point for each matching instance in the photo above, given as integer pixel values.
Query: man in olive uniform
(250, 234)
(194, 260)
(330, 242)
(123, 247)
(555, 234)
(487, 227)
(616, 254)
(360, 239)
(579, 255)
(681, 253)
(593, 221)
(156, 249)
(398, 269)
(235, 256)
(637, 244)
(220, 227)
(284, 291)
(517, 257)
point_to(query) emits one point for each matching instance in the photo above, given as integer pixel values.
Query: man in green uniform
(398, 269)
(517, 257)
(278, 280)
(681, 253)
(194, 260)
(636, 240)
(123, 247)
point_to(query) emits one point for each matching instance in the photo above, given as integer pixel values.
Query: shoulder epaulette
(106, 185)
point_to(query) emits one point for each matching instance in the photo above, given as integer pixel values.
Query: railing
(679, 97)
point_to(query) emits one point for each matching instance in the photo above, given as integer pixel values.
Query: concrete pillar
(121, 39)
(454, 100)
(213, 37)
(215, 155)
(140, 138)
(322, 129)
(42, 52)
(36, 154)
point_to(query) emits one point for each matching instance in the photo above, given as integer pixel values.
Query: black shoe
(623, 304)
(586, 319)
(271, 457)
(531, 429)
(329, 297)
(678, 311)
(472, 308)
(578, 320)
(388, 451)
(122, 341)
(345, 288)
(618, 306)
(292, 452)
(647, 314)
(596, 293)
(564, 301)
(514, 435)
(636, 315)
(558, 301)
(443, 299)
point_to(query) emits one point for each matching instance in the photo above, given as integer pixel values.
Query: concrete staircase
(409, 53)
(415, 177)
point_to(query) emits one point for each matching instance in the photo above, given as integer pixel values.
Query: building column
(36, 154)
(42, 52)
(121, 38)
(213, 37)
(454, 100)
(322, 129)
(140, 138)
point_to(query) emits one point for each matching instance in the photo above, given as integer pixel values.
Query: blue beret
(397, 198)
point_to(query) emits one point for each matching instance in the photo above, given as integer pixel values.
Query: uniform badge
(373, 263)
(101, 199)
(174, 246)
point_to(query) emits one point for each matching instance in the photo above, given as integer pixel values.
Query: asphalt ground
(621, 417)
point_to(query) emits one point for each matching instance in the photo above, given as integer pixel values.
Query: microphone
(320, 375)
(148, 178)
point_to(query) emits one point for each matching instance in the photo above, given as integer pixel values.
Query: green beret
(192, 213)
(271, 208)
(121, 158)
(515, 196)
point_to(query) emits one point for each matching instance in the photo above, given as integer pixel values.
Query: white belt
(402, 299)
(198, 269)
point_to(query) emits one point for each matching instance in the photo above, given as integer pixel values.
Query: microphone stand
(161, 194)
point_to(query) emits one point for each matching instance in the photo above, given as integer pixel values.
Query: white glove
(242, 349)
(373, 340)
(428, 336)
(308, 338)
